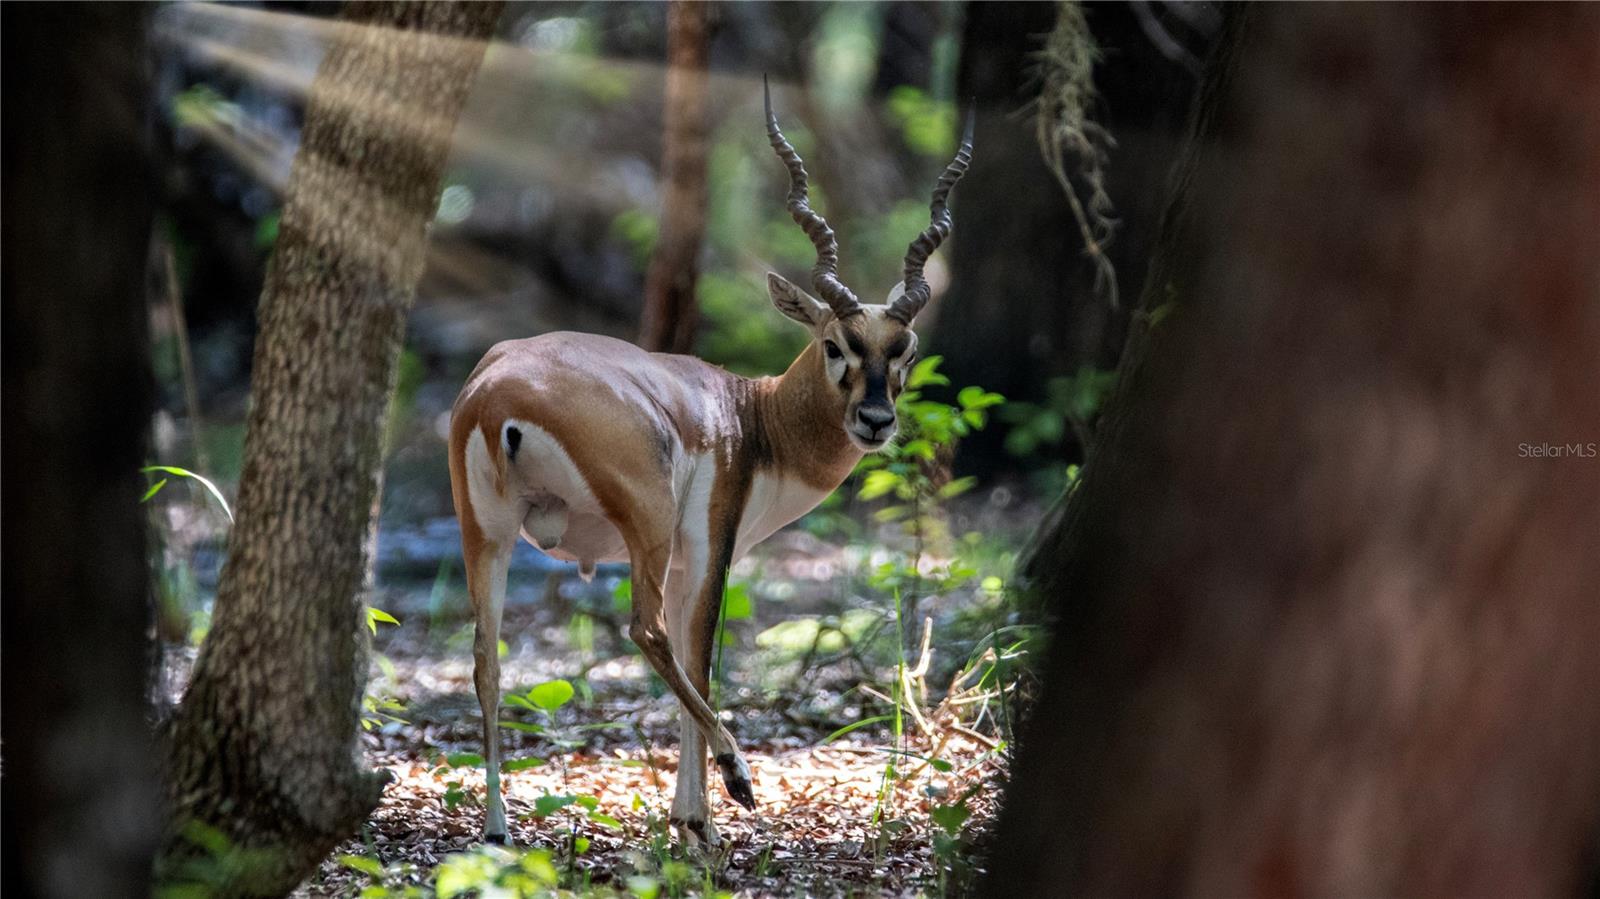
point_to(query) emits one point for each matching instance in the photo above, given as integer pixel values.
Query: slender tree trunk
(264, 745)
(1326, 595)
(670, 311)
(80, 791)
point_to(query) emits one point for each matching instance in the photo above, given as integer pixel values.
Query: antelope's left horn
(825, 275)
(909, 303)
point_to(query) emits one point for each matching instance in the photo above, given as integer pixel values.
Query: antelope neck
(800, 419)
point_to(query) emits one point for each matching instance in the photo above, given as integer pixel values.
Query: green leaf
(891, 513)
(1021, 441)
(864, 722)
(736, 605)
(605, 820)
(588, 802)
(580, 845)
(546, 806)
(950, 817)
(375, 615)
(522, 726)
(1049, 426)
(185, 473)
(154, 489)
(978, 398)
(880, 482)
(521, 764)
(537, 863)
(463, 760)
(465, 871)
(551, 695)
(941, 766)
(209, 838)
(370, 866)
(925, 373)
(957, 487)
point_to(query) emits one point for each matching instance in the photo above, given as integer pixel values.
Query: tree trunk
(1325, 595)
(80, 795)
(670, 311)
(1022, 308)
(264, 745)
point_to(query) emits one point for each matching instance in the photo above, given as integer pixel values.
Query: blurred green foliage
(741, 329)
(1071, 401)
(928, 126)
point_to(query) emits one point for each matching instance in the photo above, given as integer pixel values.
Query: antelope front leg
(648, 630)
(691, 810)
(694, 606)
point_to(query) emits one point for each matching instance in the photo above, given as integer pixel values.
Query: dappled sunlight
(813, 824)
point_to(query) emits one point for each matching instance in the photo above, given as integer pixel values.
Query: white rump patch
(559, 513)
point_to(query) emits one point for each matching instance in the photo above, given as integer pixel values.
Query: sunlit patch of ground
(814, 831)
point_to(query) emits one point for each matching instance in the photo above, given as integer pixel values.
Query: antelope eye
(832, 349)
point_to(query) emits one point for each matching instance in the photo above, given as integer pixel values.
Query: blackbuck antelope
(594, 450)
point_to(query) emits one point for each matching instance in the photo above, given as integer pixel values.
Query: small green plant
(379, 707)
(387, 881)
(910, 480)
(544, 701)
(952, 846)
(213, 865)
(909, 474)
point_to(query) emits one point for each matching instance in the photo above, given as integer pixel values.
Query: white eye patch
(836, 369)
(837, 359)
(902, 363)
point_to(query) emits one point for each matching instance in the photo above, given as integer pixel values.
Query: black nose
(876, 417)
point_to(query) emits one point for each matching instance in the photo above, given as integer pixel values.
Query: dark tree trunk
(80, 794)
(670, 311)
(1022, 308)
(264, 745)
(1327, 620)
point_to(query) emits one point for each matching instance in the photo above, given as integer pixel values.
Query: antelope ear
(796, 303)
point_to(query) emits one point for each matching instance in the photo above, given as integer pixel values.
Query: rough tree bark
(264, 744)
(670, 311)
(79, 795)
(1327, 621)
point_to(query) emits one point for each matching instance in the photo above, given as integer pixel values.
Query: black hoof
(495, 839)
(737, 780)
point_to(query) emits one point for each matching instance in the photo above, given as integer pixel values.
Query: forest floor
(889, 808)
